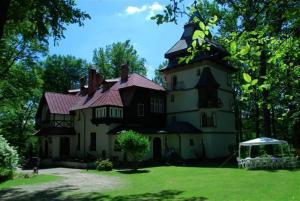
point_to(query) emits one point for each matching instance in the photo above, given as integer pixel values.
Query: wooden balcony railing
(57, 123)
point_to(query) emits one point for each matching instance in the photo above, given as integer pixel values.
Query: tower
(200, 93)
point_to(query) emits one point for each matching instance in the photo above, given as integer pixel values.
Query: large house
(192, 117)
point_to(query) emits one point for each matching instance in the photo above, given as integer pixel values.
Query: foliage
(134, 145)
(262, 38)
(62, 73)
(109, 59)
(106, 165)
(19, 97)
(25, 27)
(8, 159)
(158, 75)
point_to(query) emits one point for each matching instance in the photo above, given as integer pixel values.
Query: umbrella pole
(250, 151)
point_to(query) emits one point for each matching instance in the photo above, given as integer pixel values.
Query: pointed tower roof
(178, 50)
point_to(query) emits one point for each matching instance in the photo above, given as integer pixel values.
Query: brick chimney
(124, 72)
(82, 85)
(99, 80)
(92, 82)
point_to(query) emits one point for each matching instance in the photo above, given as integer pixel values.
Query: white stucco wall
(185, 107)
(103, 142)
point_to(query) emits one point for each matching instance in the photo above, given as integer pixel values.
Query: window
(174, 82)
(117, 145)
(78, 142)
(191, 142)
(208, 121)
(231, 105)
(116, 112)
(172, 98)
(93, 142)
(173, 118)
(229, 80)
(140, 109)
(101, 112)
(156, 105)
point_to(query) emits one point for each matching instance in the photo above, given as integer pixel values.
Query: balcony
(216, 103)
(56, 124)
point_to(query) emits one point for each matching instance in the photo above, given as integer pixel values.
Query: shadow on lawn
(58, 194)
(133, 171)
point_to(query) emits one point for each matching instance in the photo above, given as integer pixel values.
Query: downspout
(179, 138)
(84, 152)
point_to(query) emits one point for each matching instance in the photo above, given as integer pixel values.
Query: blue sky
(119, 20)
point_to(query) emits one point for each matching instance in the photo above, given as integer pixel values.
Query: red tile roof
(138, 81)
(60, 103)
(109, 97)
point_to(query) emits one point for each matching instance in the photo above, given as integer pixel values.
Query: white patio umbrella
(261, 141)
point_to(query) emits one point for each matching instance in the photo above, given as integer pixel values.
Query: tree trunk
(265, 95)
(257, 131)
(4, 5)
(273, 123)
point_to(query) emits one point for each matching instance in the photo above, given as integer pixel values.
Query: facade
(192, 118)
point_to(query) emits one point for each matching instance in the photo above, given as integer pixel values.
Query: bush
(8, 160)
(106, 165)
(134, 145)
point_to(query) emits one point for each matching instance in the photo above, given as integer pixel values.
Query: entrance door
(157, 148)
(64, 146)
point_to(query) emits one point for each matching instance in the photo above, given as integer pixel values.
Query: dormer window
(174, 82)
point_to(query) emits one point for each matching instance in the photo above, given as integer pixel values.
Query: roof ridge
(148, 79)
(50, 92)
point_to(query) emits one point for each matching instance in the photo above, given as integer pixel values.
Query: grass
(20, 180)
(202, 183)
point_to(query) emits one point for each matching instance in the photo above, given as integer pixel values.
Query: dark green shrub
(106, 165)
(8, 160)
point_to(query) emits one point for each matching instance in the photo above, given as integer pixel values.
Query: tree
(262, 38)
(158, 75)
(62, 73)
(134, 145)
(109, 59)
(8, 160)
(26, 25)
(20, 95)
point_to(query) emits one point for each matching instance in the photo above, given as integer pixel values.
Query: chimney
(124, 72)
(82, 84)
(99, 80)
(92, 81)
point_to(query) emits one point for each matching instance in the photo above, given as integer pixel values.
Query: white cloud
(130, 10)
(151, 10)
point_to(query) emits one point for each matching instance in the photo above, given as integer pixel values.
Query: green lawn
(35, 180)
(196, 183)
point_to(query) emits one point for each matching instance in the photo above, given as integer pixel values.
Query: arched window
(174, 82)
(204, 119)
(213, 120)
